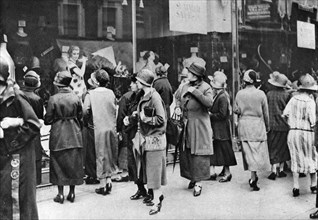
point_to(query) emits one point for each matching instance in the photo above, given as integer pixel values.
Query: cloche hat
(218, 80)
(146, 77)
(62, 79)
(32, 79)
(196, 69)
(308, 83)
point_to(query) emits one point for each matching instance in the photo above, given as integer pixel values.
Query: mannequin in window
(5, 54)
(20, 49)
(77, 83)
(194, 58)
(150, 61)
(141, 62)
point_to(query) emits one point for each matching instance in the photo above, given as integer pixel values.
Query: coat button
(15, 162)
(15, 174)
(14, 143)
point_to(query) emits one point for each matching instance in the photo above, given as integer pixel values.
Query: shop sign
(258, 11)
(188, 16)
(306, 35)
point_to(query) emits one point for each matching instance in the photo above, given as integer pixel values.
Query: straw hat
(278, 80)
(92, 81)
(308, 83)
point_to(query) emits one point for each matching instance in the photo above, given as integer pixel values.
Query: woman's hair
(102, 77)
(147, 55)
(72, 48)
(253, 76)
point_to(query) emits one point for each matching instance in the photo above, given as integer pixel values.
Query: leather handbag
(174, 127)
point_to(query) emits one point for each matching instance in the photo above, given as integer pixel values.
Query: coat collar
(147, 96)
(8, 93)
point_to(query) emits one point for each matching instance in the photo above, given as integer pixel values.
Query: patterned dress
(301, 114)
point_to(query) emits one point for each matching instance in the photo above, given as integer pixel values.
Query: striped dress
(301, 114)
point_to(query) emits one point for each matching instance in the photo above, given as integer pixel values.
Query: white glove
(126, 121)
(8, 122)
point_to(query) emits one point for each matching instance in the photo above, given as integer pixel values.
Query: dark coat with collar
(17, 159)
(220, 117)
(163, 87)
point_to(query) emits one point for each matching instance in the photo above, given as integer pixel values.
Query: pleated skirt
(277, 146)
(255, 156)
(223, 154)
(66, 167)
(303, 153)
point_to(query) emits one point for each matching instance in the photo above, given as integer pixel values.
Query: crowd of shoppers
(90, 139)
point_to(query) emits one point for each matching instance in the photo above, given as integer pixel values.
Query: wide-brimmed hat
(278, 79)
(308, 83)
(146, 77)
(62, 79)
(218, 80)
(32, 79)
(197, 69)
(92, 81)
(4, 69)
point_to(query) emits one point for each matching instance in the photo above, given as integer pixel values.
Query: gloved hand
(8, 122)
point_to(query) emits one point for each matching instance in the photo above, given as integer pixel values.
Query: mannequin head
(73, 53)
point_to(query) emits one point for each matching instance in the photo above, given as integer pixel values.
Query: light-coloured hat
(146, 77)
(308, 83)
(218, 80)
(278, 80)
(92, 81)
(246, 77)
(62, 78)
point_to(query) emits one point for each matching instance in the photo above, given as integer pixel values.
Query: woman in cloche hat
(195, 98)
(221, 126)
(64, 114)
(300, 113)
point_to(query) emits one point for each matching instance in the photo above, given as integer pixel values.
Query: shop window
(71, 15)
(110, 19)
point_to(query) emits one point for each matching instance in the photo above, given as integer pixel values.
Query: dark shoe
(138, 195)
(313, 189)
(101, 191)
(222, 173)
(226, 178)
(191, 185)
(272, 176)
(156, 208)
(302, 175)
(121, 179)
(148, 199)
(109, 187)
(197, 192)
(213, 177)
(253, 184)
(295, 192)
(314, 215)
(59, 198)
(282, 174)
(91, 180)
(71, 197)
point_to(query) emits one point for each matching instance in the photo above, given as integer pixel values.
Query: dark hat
(102, 76)
(32, 79)
(62, 79)
(161, 70)
(4, 69)
(197, 69)
(146, 77)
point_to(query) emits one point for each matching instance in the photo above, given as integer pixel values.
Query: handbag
(174, 128)
(155, 142)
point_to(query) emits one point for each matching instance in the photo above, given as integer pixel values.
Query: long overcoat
(17, 159)
(100, 103)
(195, 106)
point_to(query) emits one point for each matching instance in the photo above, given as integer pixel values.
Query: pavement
(230, 200)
